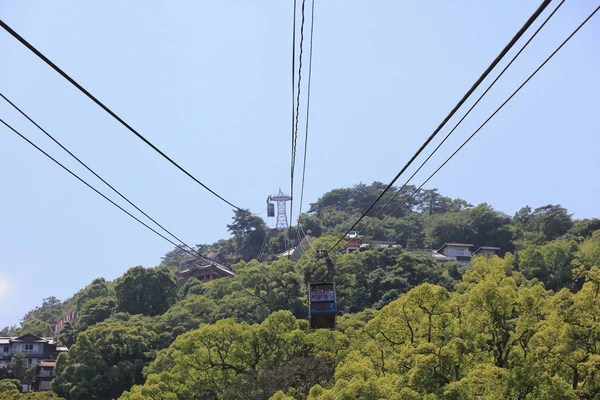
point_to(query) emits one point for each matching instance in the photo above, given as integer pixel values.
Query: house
(459, 252)
(34, 347)
(203, 268)
(39, 352)
(288, 253)
(486, 251)
(44, 373)
(353, 241)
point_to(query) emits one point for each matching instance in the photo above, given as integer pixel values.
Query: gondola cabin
(270, 209)
(321, 305)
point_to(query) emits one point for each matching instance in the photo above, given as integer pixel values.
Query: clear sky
(209, 83)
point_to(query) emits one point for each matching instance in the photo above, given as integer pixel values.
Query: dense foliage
(520, 327)
(498, 336)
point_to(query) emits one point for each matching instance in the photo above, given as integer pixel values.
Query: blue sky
(209, 83)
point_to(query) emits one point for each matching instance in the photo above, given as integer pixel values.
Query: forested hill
(423, 221)
(520, 326)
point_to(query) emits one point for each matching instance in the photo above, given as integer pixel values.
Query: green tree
(584, 228)
(49, 312)
(95, 310)
(149, 291)
(9, 389)
(190, 288)
(98, 288)
(106, 360)
(551, 263)
(18, 365)
(248, 234)
(36, 327)
(553, 220)
(232, 360)
(9, 331)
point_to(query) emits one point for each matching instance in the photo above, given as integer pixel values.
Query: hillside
(519, 326)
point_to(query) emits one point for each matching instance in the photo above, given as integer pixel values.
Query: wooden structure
(322, 305)
(202, 268)
(44, 373)
(486, 251)
(353, 241)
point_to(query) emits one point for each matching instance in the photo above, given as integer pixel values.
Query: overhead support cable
(478, 82)
(310, 54)
(192, 253)
(296, 118)
(491, 116)
(108, 110)
(464, 116)
(91, 170)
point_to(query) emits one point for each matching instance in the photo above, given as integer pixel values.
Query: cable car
(321, 305)
(270, 210)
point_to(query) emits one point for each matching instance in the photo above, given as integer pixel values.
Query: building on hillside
(44, 373)
(202, 268)
(34, 348)
(486, 251)
(288, 253)
(353, 241)
(460, 252)
(39, 351)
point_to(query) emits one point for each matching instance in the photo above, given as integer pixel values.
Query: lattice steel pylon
(281, 198)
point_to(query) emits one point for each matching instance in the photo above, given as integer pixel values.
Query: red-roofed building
(202, 268)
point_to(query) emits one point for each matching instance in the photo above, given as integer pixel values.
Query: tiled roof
(455, 245)
(47, 364)
(202, 262)
(486, 248)
(439, 256)
(287, 253)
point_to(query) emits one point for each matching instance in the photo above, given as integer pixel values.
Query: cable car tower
(281, 198)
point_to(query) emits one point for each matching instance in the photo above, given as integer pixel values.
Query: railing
(420, 250)
(322, 296)
(46, 374)
(27, 351)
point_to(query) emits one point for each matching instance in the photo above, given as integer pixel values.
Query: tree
(18, 365)
(98, 288)
(431, 202)
(191, 287)
(272, 287)
(551, 263)
(95, 310)
(9, 388)
(178, 254)
(49, 312)
(450, 227)
(584, 228)
(106, 360)
(36, 327)
(9, 331)
(148, 291)
(239, 361)
(553, 220)
(249, 233)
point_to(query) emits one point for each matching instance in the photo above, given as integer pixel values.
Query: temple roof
(202, 262)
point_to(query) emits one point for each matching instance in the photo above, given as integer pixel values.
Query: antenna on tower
(281, 198)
